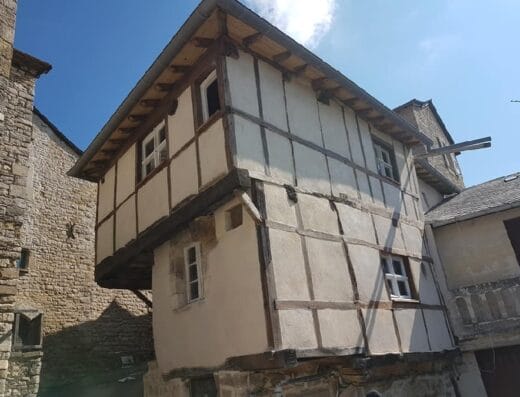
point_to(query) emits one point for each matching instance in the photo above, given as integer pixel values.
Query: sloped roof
(240, 25)
(36, 66)
(497, 195)
(428, 103)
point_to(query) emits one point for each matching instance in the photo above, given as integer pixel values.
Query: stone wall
(86, 329)
(423, 116)
(424, 379)
(16, 93)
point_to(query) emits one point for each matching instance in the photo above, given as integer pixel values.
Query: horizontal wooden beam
(300, 70)
(317, 84)
(459, 147)
(114, 272)
(350, 101)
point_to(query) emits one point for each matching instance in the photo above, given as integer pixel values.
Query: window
(203, 387)
(396, 277)
(193, 272)
(385, 159)
(22, 263)
(153, 150)
(233, 217)
(513, 232)
(210, 100)
(27, 330)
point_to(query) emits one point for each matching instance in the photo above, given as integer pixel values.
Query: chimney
(7, 22)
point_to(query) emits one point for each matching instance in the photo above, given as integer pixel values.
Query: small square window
(396, 276)
(154, 150)
(27, 330)
(234, 217)
(23, 262)
(192, 263)
(209, 96)
(385, 159)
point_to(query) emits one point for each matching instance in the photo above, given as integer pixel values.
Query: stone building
(61, 333)
(277, 212)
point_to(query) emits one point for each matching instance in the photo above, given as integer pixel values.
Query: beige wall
(189, 152)
(478, 250)
(310, 269)
(291, 107)
(229, 320)
(430, 197)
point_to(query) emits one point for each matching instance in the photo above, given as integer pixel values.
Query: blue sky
(464, 54)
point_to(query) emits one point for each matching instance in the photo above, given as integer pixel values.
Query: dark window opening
(23, 262)
(203, 387)
(385, 160)
(28, 330)
(513, 232)
(234, 217)
(213, 98)
(209, 96)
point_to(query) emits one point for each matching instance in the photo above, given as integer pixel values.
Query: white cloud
(306, 21)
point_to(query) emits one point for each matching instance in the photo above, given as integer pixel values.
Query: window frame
(16, 346)
(155, 156)
(202, 92)
(187, 265)
(382, 147)
(394, 278)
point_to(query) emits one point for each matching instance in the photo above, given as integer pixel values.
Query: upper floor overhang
(214, 22)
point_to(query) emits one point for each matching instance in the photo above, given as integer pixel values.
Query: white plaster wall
(311, 169)
(280, 157)
(105, 239)
(152, 200)
(302, 110)
(106, 194)
(343, 179)
(355, 142)
(181, 125)
(250, 154)
(212, 149)
(438, 333)
(380, 331)
(412, 331)
(368, 146)
(125, 223)
(429, 196)
(199, 334)
(297, 329)
(184, 175)
(334, 132)
(126, 166)
(477, 250)
(272, 93)
(242, 83)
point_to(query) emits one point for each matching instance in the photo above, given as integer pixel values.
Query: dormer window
(154, 150)
(209, 95)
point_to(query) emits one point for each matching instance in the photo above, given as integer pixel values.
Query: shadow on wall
(86, 359)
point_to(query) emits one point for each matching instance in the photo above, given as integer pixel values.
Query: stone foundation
(24, 374)
(317, 380)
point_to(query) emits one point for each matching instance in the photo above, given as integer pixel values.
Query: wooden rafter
(251, 39)
(180, 68)
(202, 42)
(124, 130)
(137, 118)
(164, 87)
(150, 103)
(279, 58)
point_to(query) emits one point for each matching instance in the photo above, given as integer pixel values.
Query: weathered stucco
(198, 334)
(477, 250)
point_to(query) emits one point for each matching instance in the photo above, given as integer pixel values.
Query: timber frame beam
(115, 271)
